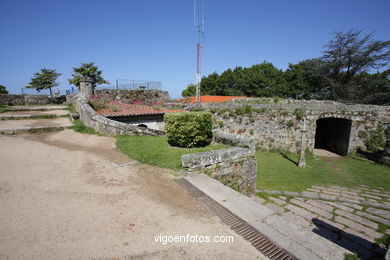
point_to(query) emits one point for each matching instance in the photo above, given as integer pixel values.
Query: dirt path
(62, 197)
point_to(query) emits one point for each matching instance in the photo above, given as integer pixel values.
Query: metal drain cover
(263, 244)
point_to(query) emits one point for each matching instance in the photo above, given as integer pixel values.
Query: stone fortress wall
(277, 126)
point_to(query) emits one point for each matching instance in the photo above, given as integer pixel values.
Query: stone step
(32, 130)
(36, 108)
(33, 125)
(17, 115)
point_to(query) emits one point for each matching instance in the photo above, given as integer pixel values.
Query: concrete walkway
(21, 119)
(67, 195)
(297, 240)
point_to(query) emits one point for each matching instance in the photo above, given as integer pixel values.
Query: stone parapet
(235, 167)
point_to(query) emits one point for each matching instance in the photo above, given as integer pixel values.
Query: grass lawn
(3, 108)
(278, 172)
(155, 150)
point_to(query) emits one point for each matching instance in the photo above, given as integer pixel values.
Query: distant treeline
(343, 73)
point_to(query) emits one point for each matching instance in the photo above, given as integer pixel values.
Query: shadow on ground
(360, 246)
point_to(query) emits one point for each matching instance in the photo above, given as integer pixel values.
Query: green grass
(3, 108)
(276, 172)
(81, 128)
(155, 150)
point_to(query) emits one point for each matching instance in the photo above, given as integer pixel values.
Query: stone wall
(235, 167)
(144, 96)
(105, 125)
(17, 100)
(278, 126)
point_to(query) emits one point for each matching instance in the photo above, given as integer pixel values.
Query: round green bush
(188, 129)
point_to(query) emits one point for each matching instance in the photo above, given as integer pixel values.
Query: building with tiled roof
(140, 115)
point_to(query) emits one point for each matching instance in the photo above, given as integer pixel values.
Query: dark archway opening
(333, 134)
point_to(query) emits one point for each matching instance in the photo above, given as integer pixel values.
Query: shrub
(376, 138)
(299, 114)
(188, 129)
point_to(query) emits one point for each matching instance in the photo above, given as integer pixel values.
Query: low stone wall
(144, 96)
(18, 100)
(107, 126)
(235, 167)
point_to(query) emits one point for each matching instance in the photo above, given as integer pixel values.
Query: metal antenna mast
(199, 27)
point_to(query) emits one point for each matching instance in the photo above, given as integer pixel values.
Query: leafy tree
(373, 88)
(87, 70)
(46, 79)
(348, 54)
(3, 90)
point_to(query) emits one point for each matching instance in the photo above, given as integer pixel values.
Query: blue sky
(156, 40)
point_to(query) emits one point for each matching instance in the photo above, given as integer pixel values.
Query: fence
(132, 84)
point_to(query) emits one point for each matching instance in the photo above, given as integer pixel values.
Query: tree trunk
(51, 96)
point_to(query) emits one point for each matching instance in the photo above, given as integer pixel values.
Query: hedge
(188, 129)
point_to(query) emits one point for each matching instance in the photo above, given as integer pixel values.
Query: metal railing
(132, 84)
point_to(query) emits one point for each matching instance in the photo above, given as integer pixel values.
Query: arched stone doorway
(333, 134)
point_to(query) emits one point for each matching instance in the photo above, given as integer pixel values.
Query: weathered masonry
(235, 167)
(337, 127)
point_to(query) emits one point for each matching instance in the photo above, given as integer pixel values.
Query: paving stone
(351, 193)
(272, 191)
(382, 205)
(365, 186)
(330, 193)
(340, 206)
(317, 187)
(352, 197)
(294, 218)
(371, 196)
(378, 219)
(388, 232)
(338, 188)
(358, 234)
(258, 199)
(377, 194)
(291, 193)
(357, 219)
(282, 197)
(311, 195)
(278, 201)
(314, 190)
(275, 207)
(301, 212)
(320, 204)
(380, 212)
(376, 190)
(332, 190)
(311, 208)
(352, 205)
(327, 197)
(372, 200)
(348, 200)
(358, 227)
(334, 226)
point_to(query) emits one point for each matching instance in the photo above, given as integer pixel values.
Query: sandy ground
(325, 153)
(62, 197)
(60, 121)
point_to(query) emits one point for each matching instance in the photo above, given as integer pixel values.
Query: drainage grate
(241, 227)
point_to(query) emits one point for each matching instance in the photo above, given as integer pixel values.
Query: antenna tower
(199, 27)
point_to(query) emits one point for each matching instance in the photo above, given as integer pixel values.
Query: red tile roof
(217, 99)
(123, 109)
